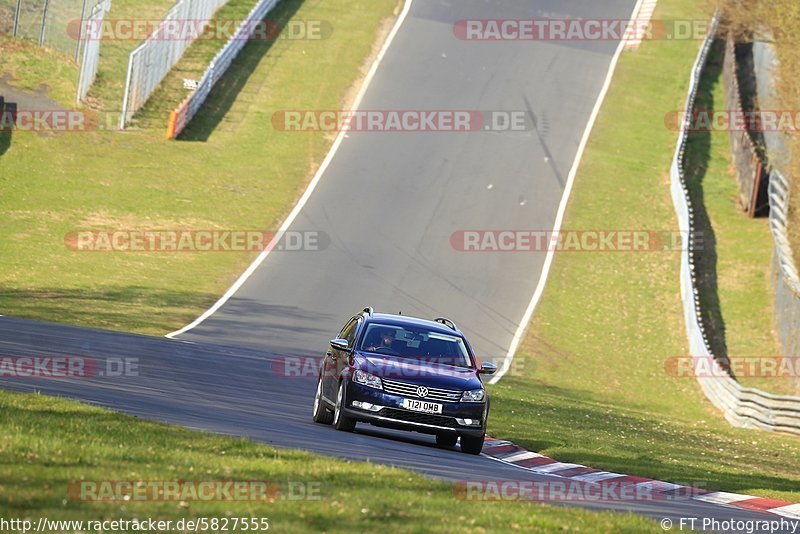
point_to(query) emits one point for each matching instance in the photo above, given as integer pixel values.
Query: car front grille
(415, 417)
(410, 390)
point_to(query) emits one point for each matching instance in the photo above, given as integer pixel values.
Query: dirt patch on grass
(104, 219)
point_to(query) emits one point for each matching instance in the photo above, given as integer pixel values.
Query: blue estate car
(406, 373)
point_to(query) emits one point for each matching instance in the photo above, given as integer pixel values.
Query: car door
(337, 360)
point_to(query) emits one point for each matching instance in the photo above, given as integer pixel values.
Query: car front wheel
(340, 420)
(472, 444)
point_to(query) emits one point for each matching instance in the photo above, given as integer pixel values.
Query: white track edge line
(521, 456)
(311, 186)
(528, 469)
(723, 497)
(791, 511)
(562, 207)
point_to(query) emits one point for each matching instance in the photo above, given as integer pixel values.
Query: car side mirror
(487, 368)
(340, 344)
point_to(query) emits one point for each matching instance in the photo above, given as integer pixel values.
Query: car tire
(446, 440)
(340, 420)
(322, 414)
(472, 444)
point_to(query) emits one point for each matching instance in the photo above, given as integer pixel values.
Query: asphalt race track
(231, 390)
(389, 203)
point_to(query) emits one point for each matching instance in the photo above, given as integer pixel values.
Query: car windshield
(416, 343)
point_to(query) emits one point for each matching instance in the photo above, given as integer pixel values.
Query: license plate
(422, 406)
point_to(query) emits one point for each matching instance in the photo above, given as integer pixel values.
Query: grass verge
(589, 384)
(23, 64)
(231, 156)
(46, 443)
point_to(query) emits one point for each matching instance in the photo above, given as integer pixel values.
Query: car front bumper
(387, 410)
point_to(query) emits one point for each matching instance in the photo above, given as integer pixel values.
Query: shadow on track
(99, 306)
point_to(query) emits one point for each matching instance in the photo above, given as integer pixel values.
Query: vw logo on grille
(422, 391)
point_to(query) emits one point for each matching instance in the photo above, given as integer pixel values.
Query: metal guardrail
(180, 117)
(741, 406)
(150, 62)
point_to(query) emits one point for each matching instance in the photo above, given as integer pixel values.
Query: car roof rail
(447, 322)
(369, 311)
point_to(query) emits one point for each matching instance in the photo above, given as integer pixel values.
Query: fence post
(80, 32)
(44, 23)
(16, 18)
(123, 116)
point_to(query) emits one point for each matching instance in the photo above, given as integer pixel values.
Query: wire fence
(747, 146)
(741, 406)
(150, 62)
(46, 22)
(180, 117)
(7, 10)
(90, 37)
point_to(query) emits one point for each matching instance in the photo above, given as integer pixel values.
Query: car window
(416, 343)
(349, 331)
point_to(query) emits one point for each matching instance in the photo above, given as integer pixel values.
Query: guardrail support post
(44, 23)
(16, 18)
(81, 35)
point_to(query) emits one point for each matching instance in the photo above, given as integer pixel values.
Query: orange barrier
(173, 116)
(178, 118)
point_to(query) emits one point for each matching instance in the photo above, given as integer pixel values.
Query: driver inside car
(385, 340)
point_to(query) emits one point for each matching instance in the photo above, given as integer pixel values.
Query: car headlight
(362, 377)
(475, 395)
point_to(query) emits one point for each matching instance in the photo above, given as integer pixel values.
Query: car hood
(413, 371)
